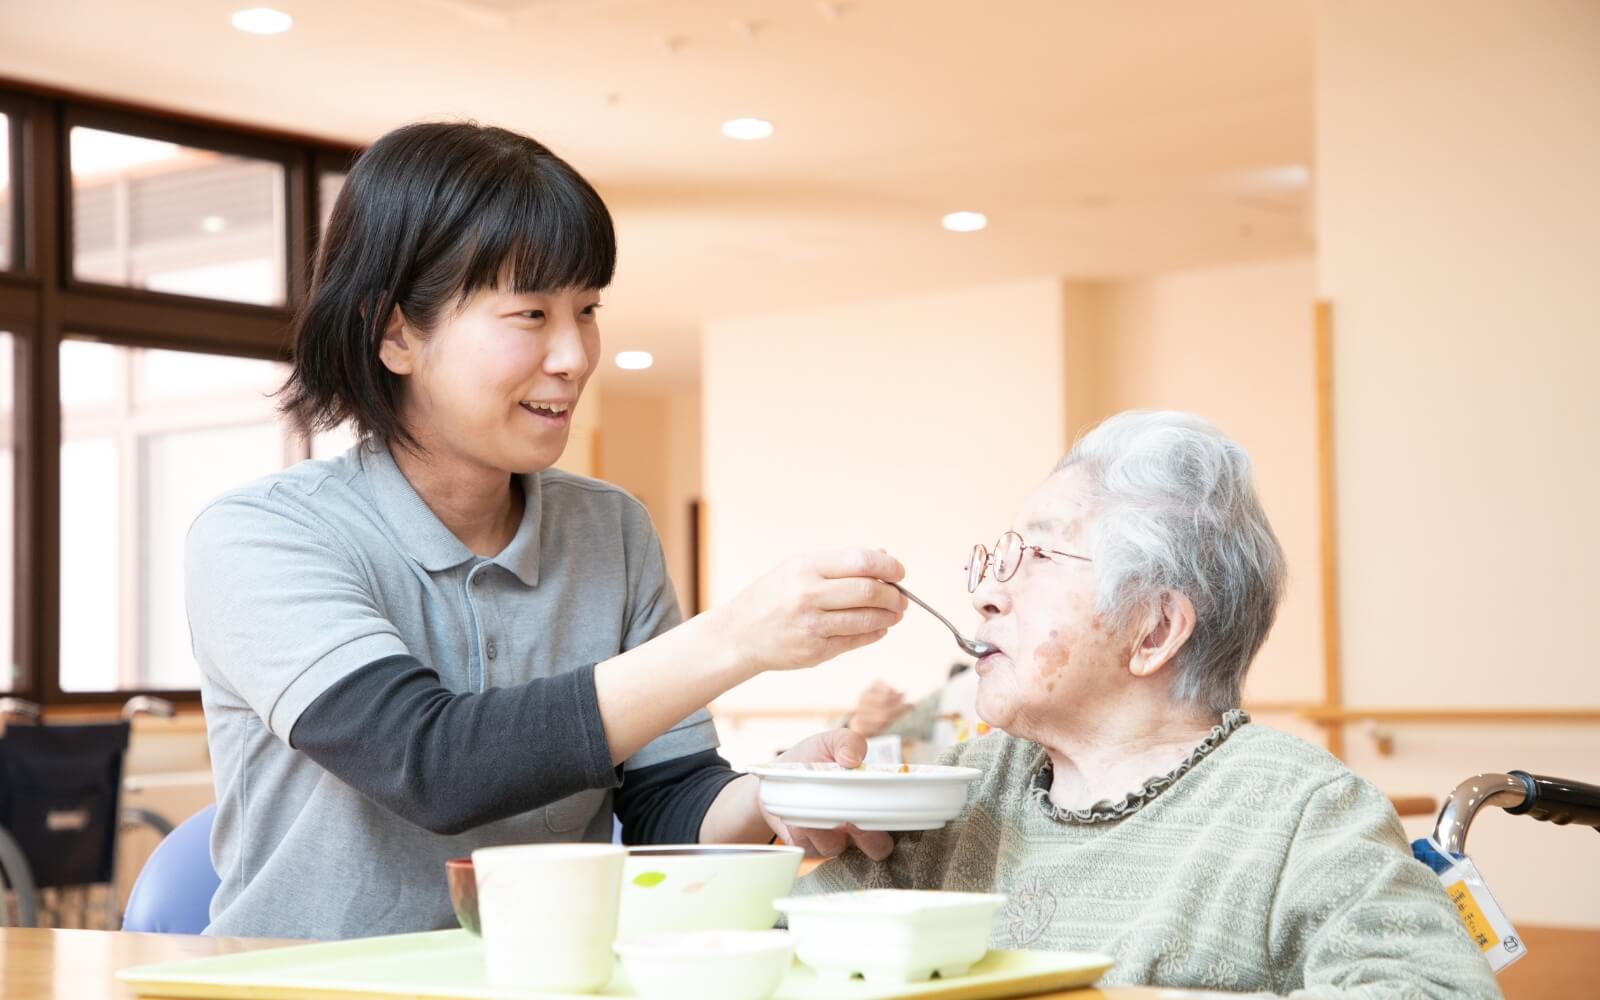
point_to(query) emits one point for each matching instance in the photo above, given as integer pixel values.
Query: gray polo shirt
(297, 580)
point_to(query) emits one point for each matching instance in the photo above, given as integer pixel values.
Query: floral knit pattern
(1260, 863)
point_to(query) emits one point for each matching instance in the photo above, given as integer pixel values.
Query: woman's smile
(550, 414)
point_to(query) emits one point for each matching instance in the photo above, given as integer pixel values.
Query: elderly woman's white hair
(1175, 510)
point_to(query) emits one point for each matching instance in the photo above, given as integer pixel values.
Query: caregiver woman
(436, 641)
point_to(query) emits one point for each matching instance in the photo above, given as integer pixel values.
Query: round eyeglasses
(1006, 559)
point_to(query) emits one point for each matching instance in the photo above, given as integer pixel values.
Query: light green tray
(448, 965)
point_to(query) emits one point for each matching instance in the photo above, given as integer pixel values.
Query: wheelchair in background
(61, 813)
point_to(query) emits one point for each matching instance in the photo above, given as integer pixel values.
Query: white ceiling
(1103, 138)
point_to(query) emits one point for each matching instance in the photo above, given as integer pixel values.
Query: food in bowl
(871, 796)
(695, 887)
(707, 965)
(463, 892)
(891, 935)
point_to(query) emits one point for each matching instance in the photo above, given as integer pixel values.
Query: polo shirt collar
(521, 557)
(425, 538)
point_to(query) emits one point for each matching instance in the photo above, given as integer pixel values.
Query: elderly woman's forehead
(1058, 507)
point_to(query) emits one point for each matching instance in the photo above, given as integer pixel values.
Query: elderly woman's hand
(812, 608)
(847, 749)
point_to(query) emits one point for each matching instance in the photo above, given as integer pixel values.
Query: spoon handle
(953, 630)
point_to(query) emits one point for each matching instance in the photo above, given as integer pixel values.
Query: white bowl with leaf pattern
(704, 887)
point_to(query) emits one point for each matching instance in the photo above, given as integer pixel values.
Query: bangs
(542, 233)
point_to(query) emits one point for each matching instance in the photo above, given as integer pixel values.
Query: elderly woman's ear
(1164, 630)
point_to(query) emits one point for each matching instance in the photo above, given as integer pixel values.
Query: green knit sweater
(1259, 864)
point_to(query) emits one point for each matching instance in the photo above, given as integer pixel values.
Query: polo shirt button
(490, 651)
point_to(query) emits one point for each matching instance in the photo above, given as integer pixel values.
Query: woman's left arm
(667, 803)
(1356, 916)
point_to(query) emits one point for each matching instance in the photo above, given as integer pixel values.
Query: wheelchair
(61, 813)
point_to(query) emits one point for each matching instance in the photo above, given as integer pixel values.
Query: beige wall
(1458, 217)
(1234, 345)
(915, 424)
(579, 456)
(650, 446)
(1082, 305)
(682, 485)
(633, 448)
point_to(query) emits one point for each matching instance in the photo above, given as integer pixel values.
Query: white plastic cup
(885, 750)
(549, 914)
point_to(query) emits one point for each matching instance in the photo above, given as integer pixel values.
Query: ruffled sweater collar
(1041, 775)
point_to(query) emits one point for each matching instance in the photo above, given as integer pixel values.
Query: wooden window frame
(42, 303)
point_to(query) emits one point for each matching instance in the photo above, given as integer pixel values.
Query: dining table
(36, 963)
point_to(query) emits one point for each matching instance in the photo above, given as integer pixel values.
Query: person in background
(436, 641)
(1130, 806)
(945, 716)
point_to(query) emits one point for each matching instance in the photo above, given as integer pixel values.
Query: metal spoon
(973, 647)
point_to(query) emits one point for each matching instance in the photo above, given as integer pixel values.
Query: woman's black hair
(430, 214)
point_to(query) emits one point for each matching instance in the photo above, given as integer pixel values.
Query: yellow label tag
(1471, 916)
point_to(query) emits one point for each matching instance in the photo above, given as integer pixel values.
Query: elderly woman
(1129, 806)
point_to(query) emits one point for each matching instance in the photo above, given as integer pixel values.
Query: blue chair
(173, 893)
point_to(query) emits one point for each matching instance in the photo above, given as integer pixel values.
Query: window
(148, 329)
(333, 443)
(170, 218)
(5, 193)
(328, 187)
(149, 437)
(8, 656)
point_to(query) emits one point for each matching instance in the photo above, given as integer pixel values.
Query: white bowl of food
(707, 965)
(891, 935)
(872, 796)
(704, 887)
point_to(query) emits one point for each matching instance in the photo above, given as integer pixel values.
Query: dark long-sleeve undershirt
(450, 761)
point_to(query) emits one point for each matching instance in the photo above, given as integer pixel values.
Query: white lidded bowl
(707, 965)
(873, 796)
(704, 887)
(891, 935)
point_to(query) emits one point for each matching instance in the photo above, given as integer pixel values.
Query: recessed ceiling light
(747, 128)
(965, 222)
(213, 224)
(1289, 177)
(1284, 179)
(635, 361)
(262, 21)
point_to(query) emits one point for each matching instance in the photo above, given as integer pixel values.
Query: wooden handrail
(1322, 715)
(1414, 805)
(1339, 716)
(1278, 707)
(188, 717)
(798, 712)
(835, 712)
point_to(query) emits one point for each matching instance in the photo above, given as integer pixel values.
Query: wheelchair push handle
(1553, 800)
(1558, 800)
